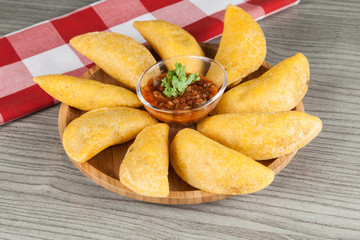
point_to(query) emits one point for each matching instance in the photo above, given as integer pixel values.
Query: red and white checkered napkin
(44, 48)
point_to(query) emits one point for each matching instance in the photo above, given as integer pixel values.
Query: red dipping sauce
(194, 95)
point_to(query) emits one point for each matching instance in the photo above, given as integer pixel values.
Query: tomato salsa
(194, 95)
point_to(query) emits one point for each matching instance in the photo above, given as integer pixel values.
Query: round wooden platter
(103, 169)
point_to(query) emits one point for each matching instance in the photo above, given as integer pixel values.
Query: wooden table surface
(43, 196)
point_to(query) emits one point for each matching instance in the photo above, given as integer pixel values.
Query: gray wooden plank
(42, 195)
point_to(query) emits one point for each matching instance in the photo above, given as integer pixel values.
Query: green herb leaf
(176, 81)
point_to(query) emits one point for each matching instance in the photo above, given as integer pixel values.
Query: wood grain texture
(317, 196)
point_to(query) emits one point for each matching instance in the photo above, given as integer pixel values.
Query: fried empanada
(279, 89)
(120, 56)
(144, 168)
(242, 46)
(98, 129)
(212, 167)
(169, 40)
(262, 136)
(86, 94)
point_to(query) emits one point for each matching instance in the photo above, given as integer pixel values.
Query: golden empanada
(144, 168)
(279, 89)
(169, 40)
(120, 56)
(242, 46)
(262, 136)
(86, 94)
(212, 167)
(98, 129)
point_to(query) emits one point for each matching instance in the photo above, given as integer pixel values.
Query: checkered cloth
(44, 48)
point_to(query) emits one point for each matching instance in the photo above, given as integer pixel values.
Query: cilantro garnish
(176, 81)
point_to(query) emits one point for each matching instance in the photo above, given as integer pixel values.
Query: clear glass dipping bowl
(206, 67)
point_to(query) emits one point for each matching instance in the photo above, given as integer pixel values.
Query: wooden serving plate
(103, 169)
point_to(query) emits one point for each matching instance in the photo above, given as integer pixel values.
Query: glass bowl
(204, 66)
